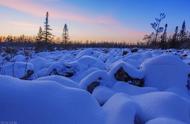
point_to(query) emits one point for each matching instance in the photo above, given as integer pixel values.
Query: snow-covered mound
(95, 86)
(18, 69)
(60, 68)
(162, 104)
(46, 102)
(165, 71)
(60, 79)
(19, 58)
(94, 79)
(39, 63)
(165, 121)
(131, 89)
(120, 110)
(102, 94)
(122, 71)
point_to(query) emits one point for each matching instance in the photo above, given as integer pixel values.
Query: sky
(101, 20)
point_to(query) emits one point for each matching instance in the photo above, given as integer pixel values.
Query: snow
(99, 76)
(131, 70)
(39, 63)
(46, 102)
(61, 80)
(131, 89)
(120, 110)
(96, 86)
(162, 104)
(102, 94)
(165, 121)
(165, 71)
(19, 58)
(16, 69)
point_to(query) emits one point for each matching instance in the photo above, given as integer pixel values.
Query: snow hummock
(102, 94)
(16, 69)
(165, 121)
(61, 80)
(99, 76)
(131, 89)
(57, 92)
(162, 104)
(120, 110)
(131, 70)
(46, 102)
(165, 71)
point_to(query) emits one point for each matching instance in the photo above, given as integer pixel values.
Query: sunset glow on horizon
(100, 20)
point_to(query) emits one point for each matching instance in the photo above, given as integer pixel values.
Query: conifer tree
(65, 34)
(183, 33)
(47, 30)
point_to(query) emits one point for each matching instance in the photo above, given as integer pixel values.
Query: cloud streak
(110, 28)
(38, 10)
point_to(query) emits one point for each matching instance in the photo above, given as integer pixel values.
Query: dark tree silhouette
(175, 38)
(65, 34)
(164, 38)
(47, 30)
(156, 26)
(183, 33)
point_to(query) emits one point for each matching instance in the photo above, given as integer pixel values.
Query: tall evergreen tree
(65, 34)
(183, 33)
(47, 30)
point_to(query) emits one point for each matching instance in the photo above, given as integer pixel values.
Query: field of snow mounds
(95, 86)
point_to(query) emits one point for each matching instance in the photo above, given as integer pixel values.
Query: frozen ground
(95, 86)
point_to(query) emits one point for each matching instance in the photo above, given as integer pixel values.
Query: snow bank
(165, 121)
(61, 80)
(94, 79)
(39, 63)
(86, 62)
(88, 52)
(162, 104)
(165, 71)
(17, 69)
(131, 89)
(122, 71)
(61, 68)
(131, 70)
(46, 102)
(19, 58)
(102, 94)
(120, 110)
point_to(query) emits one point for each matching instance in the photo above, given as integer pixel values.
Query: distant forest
(45, 40)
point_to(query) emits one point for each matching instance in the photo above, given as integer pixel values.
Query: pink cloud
(39, 10)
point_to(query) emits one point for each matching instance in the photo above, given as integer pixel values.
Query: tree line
(160, 38)
(45, 40)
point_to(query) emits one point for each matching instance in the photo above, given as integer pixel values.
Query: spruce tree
(47, 30)
(183, 33)
(65, 34)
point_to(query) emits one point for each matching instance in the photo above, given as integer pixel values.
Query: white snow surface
(46, 102)
(56, 92)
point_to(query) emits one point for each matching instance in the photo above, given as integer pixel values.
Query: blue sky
(121, 20)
